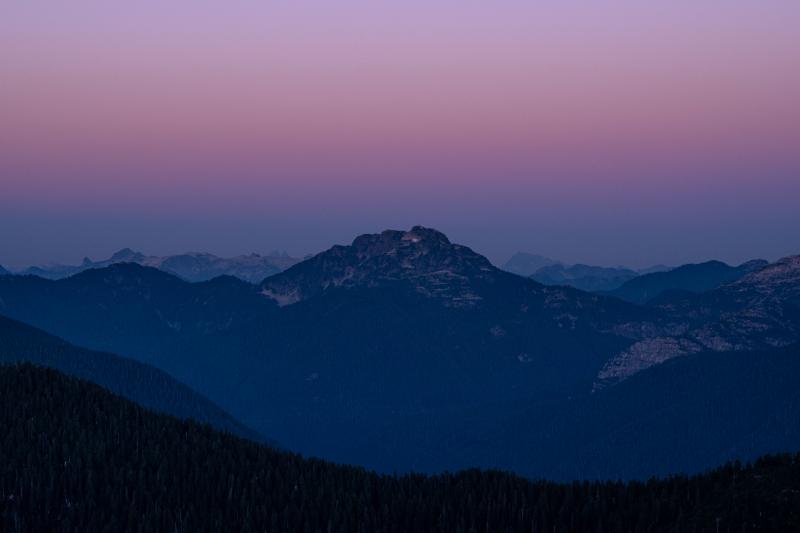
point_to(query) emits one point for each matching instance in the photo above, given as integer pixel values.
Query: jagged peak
(391, 239)
(425, 257)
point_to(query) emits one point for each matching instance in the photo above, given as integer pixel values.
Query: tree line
(74, 457)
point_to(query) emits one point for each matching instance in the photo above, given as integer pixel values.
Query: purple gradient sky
(607, 132)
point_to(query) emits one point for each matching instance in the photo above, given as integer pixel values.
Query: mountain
(4, 272)
(683, 415)
(424, 259)
(695, 278)
(138, 382)
(760, 310)
(404, 351)
(584, 277)
(193, 267)
(525, 264)
(133, 310)
(347, 354)
(77, 458)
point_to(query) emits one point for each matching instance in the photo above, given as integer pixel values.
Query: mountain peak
(418, 239)
(420, 233)
(126, 255)
(423, 257)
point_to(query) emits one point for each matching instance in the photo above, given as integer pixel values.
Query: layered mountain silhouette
(131, 310)
(404, 351)
(190, 266)
(760, 310)
(4, 272)
(693, 278)
(143, 384)
(584, 277)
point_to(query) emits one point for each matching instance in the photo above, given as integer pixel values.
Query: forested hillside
(74, 457)
(141, 383)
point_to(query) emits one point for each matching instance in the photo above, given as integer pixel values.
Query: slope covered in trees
(144, 384)
(74, 457)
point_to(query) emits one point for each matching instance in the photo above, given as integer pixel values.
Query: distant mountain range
(526, 264)
(404, 351)
(143, 384)
(585, 277)
(193, 267)
(3, 271)
(636, 286)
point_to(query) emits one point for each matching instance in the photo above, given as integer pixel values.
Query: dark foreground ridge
(138, 382)
(74, 457)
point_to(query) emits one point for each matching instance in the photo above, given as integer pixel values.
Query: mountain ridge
(697, 277)
(418, 325)
(143, 384)
(759, 310)
(377, 344)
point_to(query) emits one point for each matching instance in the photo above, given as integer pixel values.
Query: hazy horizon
(75, 257)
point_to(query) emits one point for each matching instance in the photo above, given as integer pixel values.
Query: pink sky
(606, 125)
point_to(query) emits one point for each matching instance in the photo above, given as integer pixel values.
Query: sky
(605, 132)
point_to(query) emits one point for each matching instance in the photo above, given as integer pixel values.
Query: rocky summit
(422, 257)
(760, 310)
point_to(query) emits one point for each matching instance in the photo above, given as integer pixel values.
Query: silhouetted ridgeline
(141, 383)
(74, 457)
(691, 278)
